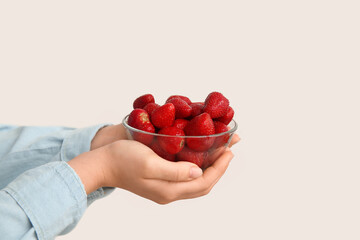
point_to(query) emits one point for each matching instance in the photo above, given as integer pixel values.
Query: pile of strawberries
(180, 117)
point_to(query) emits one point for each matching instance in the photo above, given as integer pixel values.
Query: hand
(107, 135)
(135, 167)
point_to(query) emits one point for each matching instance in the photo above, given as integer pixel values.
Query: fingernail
(195, 172)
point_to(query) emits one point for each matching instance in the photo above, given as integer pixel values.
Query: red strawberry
(186, 99)
(226, 119)
(163, 116)
(200, 125)
(159, 151)
(141, 101)
(192, 156)
(213, 156)
(196, 108)
(220, 128)
(171, 145)
(180, 123)
(182, 109)
(200, 143)
(150, 107)
(216, 105)
(143, 137)
(139, 119)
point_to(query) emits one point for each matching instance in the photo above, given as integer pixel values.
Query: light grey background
(290, 69)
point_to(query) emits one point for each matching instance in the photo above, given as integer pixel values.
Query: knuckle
(146, 168)
(205, 187)
(177, 175)
(168, 197)
(206, 191)
(161, 202)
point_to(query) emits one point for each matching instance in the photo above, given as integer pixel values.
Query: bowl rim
(128, 127)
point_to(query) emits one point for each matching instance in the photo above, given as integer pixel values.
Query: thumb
(173, 171)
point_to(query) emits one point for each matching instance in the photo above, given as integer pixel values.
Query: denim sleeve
(78, 142)
(41, 196)
(51, 197)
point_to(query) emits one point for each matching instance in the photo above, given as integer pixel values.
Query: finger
(213, 183)
(235, 139)
(121, 132)
(217, 170)
(172, 171)
(203, 185)
(165, 191)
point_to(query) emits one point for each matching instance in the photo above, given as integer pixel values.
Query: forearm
(35, 179)
(90, 167)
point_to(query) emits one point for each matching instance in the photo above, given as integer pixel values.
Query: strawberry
(220, 128)
(226, 119)
(144, 137)
(186, 99)
(196, 108)
(213, 156)
(182, 109)
(139, 119)
(200, 143)
(192, 156)
(216, 105)
(180, 123)
(150, 107)
(200, 125)
(159, 151)
(141, 101)
(171, 145)
(163, 116)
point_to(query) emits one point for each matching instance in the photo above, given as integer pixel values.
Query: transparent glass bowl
(201, 150)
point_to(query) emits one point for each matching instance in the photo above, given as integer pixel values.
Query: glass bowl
(201, 150)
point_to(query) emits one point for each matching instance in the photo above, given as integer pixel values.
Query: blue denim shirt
(41, 196)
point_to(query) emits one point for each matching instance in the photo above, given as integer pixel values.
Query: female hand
(135, 167)
(107, 135)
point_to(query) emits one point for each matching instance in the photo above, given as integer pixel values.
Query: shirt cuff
(52, 196)
(78, 142)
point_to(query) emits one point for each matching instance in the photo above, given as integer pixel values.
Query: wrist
(90, 167)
